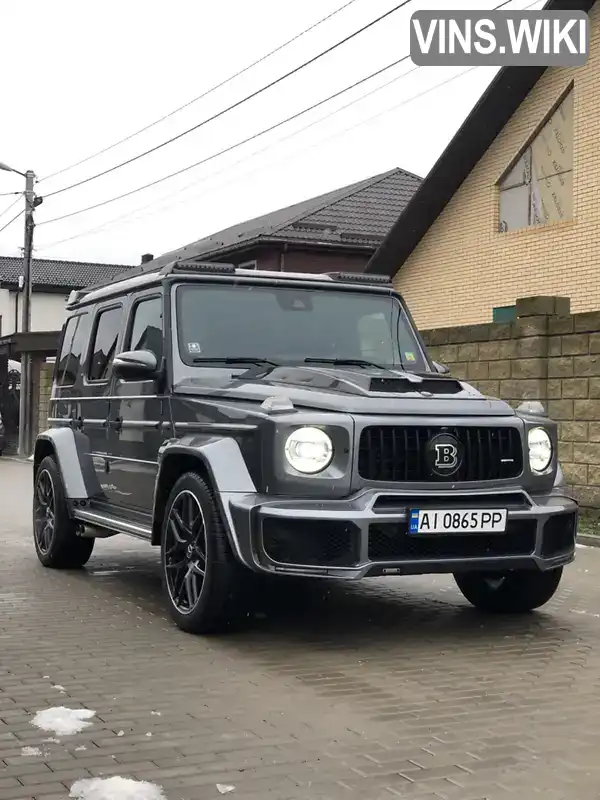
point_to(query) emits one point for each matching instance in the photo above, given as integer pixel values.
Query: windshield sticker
(410, 356)
(194, 347)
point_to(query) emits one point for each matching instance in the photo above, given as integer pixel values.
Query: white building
(52, 282)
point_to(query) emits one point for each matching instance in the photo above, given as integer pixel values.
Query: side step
(111, 525)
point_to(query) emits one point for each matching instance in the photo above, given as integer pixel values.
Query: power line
(12, 205)
(204, 94)
(227, 149)
(240, 161)
(11, 221)
(234, 105)
(362, 122)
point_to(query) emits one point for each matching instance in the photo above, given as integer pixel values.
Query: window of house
(504, 313)
(147, 327)
(538, 190)
(104, 343)
(74, 341)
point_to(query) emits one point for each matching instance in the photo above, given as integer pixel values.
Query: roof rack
(190, 266)
(148, 269)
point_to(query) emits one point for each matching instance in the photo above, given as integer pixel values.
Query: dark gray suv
(256, 423)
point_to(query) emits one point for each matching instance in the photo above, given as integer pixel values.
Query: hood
(352, 390)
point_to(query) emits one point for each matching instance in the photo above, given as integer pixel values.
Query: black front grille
(392, 542)
(315, 543)
(395, 453)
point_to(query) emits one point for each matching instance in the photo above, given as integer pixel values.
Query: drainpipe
(20, 287)
(282, 258)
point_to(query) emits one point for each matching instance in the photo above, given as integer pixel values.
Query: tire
(54, 532)
(517, 592)
(205, 586)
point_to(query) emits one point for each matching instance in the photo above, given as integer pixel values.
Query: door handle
(116, 424)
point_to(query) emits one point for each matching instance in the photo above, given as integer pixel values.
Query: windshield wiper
(233, 360)
(343, 362)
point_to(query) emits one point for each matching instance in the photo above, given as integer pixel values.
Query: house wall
(464, 266)
(303, 260)
(47, 311)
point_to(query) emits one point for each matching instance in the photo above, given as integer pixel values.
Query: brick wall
(464, 267)
(44, 391)
(547, 354)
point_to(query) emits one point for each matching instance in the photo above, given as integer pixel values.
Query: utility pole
(25, 389)
(31, 202)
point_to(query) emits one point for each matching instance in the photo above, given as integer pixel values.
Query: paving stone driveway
(387, 689)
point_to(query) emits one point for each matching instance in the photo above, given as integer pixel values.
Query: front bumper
(367, 535)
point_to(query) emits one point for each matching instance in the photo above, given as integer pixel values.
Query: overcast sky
(79, 77)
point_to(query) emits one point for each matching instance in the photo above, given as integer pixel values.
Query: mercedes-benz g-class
(254, 422)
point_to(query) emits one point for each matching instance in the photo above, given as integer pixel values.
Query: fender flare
(72, 452)
(227, 472)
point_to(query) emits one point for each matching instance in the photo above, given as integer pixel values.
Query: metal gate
(10, 386)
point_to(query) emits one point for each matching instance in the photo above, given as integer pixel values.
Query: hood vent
(426, 385)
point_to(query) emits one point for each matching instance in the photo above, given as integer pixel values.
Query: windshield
(291, 325)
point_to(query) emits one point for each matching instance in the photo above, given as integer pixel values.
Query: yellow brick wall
(464, 266)
(45, 390)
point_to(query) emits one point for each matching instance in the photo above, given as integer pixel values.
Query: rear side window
(146, 331)
(65, 351)
(104, 343)
(73, 348)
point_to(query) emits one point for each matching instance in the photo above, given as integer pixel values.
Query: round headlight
(540, 449)
(309, 450)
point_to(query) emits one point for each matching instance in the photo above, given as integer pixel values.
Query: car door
(138, 410)
(96, 393)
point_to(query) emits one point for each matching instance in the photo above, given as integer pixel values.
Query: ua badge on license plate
(440, 521)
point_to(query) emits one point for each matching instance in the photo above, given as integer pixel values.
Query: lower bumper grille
(559, 535)
(392, 542)
(314, 543)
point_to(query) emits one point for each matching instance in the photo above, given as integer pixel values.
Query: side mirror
(442, 369)
(138, 365)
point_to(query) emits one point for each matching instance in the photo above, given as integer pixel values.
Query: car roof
(228, 273)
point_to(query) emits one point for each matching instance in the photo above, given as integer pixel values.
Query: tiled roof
(65, 274)
(360, 214)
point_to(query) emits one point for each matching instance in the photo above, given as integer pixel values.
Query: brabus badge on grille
(444, 454)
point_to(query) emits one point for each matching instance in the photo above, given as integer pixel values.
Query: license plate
(440, 521)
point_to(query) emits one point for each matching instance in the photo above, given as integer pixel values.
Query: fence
(547, 354)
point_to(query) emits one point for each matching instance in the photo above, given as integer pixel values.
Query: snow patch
(59, 687)
(63, 721)
(80, 748)
(115, 788)
(31, 751)
(223, 789)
